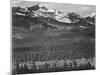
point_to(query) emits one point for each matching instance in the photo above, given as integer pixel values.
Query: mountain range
(31, 22)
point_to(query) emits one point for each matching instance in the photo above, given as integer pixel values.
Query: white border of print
(5, 37)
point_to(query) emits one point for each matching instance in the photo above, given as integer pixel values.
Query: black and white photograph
(52, 37)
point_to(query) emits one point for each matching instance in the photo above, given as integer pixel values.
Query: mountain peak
(42, 11)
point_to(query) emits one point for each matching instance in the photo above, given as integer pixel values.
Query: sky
(82, 10)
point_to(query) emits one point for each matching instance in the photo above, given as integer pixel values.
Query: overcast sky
(83, 10)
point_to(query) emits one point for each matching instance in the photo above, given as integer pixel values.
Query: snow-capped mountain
(44, 12)
(90, 18)
(42, 20)
(39, 15)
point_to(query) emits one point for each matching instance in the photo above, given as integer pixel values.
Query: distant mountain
(90, 18)
(42, 20)
(41, 11)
